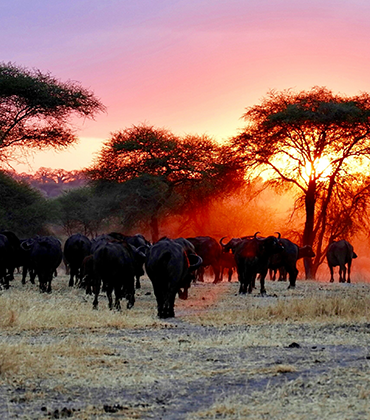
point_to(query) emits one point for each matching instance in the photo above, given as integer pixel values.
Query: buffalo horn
(278, 235)
(255, 235)
(222, 244)
(195, 261)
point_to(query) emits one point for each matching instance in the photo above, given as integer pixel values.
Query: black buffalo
(15, 253)
(87, 273)
(76, 248)
(140, 243)
(5, 252)
(87, 265)
(114, 264)
(25, 262)
(189, 249)
(252, 255)
(170, 268)
(340, 253)
(286, 261)
(210, 252)
(45, 256)
(227, 262)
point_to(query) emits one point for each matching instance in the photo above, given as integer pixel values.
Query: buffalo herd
(115, 262)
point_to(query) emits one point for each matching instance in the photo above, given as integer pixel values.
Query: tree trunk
(322, 226)
(154, 228)
(308, 233)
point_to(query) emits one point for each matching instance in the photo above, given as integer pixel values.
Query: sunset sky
(188, 66)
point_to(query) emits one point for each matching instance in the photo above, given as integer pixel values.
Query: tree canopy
(315, 141)
(22, 208)
(36, 110)
(191, 166)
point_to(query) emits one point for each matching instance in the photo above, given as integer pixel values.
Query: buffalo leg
(24, 274)
(50, 277)
(292, 278)
(72, 274)
(130, 293)
(159, 295)
(109, 290)
(331, 274)
(118, 296)
(32, 276)
(168, 305)
(96, 291)
(242, 289)
(216, 270)
(342, 274)
(349, 273)
(262, 281)
(42, 283)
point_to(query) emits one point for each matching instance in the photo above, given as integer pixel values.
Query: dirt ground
(224, 356)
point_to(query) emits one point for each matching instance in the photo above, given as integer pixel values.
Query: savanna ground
(293, 354)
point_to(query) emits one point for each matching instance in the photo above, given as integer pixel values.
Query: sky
(192, 67)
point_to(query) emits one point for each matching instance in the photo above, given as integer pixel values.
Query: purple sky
(189, 66)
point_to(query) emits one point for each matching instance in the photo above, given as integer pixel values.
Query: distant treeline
(51, 182)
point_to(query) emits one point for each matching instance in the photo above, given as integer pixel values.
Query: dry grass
(339, 396)
(315, 303)
(57, 352)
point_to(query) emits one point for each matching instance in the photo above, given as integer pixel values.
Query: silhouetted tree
(36, 111)
(311, 141)
(347, 214)
(176, 166)
(22, 208)
(82, 210)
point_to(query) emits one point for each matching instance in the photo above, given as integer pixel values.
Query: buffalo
(170, 268)
(114, 264)
(227, 262)
(340, 253)
(5, 252)
(210, 252)
(87, 265)
(76, 248)
(189, 249)
(252, 255)
(26, 263)
(286, 261)
(15, 253)
(139, 242)
(44, 256)
(87, 273)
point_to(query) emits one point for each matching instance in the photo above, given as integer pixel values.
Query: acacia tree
(192, 164)
(312, 141)
(82, 210)
(36, 110)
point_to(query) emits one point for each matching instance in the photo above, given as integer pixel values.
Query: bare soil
(301, 354)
